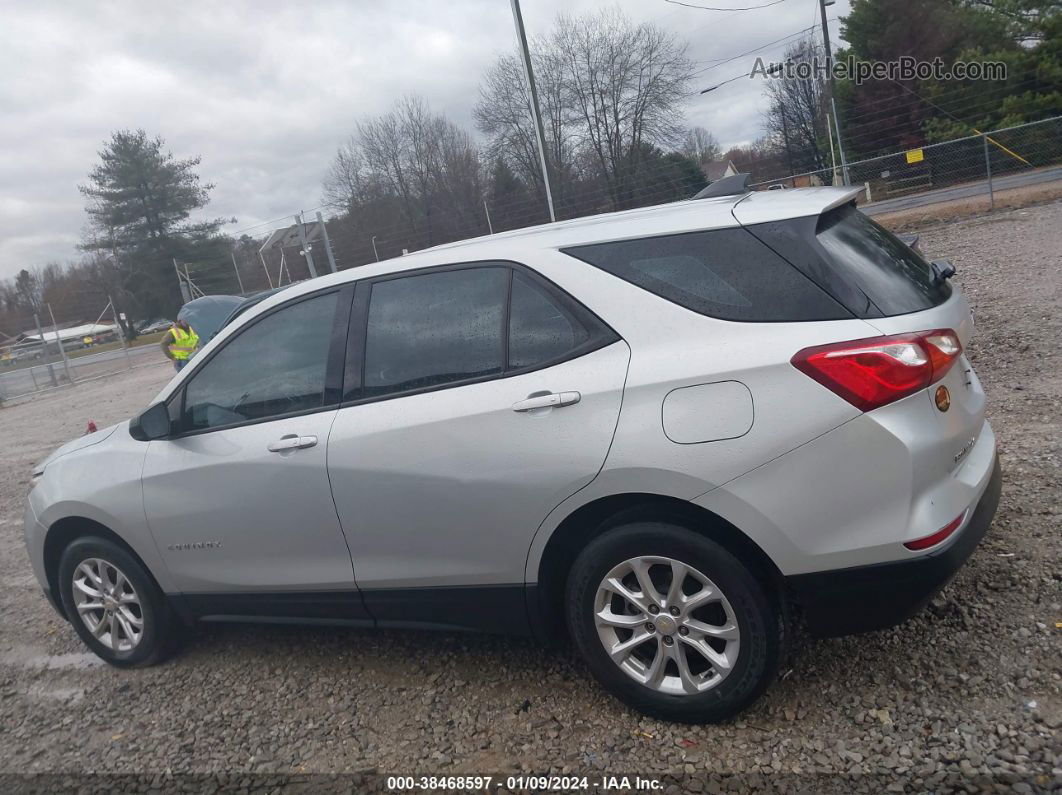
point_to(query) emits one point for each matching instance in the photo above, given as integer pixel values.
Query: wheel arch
(601, 515)
(62, 532)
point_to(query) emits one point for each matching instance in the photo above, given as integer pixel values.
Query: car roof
(673, 218)
(691, 215)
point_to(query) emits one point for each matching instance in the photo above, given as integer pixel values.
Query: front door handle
(291, 442)
(552, 400)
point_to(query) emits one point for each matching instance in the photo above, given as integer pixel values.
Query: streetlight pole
(374, 251)
(833, 100)
(535, 115)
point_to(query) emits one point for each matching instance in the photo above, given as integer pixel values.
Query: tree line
(884, 116)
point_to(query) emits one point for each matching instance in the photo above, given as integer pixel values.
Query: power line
(712, 8)
(720, 61)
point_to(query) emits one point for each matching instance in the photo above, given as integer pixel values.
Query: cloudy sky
(266, 91)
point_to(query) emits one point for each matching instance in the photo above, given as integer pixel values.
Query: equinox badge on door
(194, 545)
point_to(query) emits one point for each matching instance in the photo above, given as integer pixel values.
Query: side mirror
(153, 423)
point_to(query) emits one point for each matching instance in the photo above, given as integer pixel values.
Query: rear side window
(723, 273)
(893, 276)
(539, 329)
(435, 328)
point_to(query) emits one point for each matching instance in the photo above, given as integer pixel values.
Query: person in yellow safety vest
(179, 343)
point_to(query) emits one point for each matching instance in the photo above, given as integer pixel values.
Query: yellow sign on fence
(915, 156)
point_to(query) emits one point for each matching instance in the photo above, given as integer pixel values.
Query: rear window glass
(892, 275)
(723, 273)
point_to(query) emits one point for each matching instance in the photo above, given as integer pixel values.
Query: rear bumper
(865, 598)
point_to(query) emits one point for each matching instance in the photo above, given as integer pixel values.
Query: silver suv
(669, 431)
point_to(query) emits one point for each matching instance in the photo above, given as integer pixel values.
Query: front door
(484, 398)
(238, 500)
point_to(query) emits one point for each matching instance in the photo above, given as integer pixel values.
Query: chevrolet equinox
(668, 431)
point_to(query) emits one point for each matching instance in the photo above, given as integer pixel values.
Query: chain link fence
(987, 161)
(40, 358)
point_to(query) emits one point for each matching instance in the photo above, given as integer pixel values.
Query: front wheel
(672, 623)
(114, 604)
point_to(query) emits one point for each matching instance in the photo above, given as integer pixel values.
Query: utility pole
(788, 149)
(833, 100)
(529, 73)
(185, 297)
(236, 268)
(833, 157)
(44, 345)
(262, 258)
(305, 248)
(62, 350)
(191, 285)
(327, 242)
(121, 335)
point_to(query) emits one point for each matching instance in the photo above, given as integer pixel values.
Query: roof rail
(734, 185)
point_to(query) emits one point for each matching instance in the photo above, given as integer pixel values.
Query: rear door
(478, 397)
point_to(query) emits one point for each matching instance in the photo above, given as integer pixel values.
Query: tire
(83, 557)
(709, 692)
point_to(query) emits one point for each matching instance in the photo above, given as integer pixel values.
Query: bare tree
(414, 161)
(625, 84)
(700, 145)
(796, 118)
(503, 114)
(610, 91)
(346, 179)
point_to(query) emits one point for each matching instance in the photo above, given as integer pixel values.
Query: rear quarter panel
(673, 348)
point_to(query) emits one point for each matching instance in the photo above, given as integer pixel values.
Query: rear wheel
(113, 603)
(672, 623)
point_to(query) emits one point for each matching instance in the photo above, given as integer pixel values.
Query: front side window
(435, 328)
(274, 367)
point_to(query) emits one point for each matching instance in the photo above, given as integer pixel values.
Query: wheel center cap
(666, 624)
(109, 602)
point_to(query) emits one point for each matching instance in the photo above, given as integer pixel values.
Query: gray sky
(266, 91)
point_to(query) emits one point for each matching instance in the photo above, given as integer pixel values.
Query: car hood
(80, 443)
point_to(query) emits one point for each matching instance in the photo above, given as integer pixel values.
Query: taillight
(938, 537)
(873, 372)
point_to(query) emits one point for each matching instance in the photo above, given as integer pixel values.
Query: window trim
(333, 367)
(600, 334)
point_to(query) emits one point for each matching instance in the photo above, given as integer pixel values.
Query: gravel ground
(966, 695)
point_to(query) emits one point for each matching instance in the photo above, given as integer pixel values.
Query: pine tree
(139, 199)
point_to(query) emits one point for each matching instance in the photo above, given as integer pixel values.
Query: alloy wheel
(666, 625)
(108, 605)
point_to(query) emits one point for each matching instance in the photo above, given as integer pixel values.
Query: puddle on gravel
(30, 657)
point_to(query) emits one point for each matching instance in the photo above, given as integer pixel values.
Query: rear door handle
(552, 400)
(291, 442)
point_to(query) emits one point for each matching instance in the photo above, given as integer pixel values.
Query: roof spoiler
(734, 185)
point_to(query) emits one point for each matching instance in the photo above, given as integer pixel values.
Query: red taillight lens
(937, 537)
(873, 372)
(944, 348)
